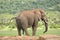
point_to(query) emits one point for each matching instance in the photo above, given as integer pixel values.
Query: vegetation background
(11, 8)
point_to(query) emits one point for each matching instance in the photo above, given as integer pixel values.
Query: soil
(43, 37)
(18, 38)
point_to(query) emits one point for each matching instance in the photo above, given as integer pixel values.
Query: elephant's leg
(25, 29)
(26, 32)
(19, 31)
(34, 28)
(18, 27)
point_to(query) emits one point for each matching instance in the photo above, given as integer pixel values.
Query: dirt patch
(49, 37)
(43, 37)
(19, 38)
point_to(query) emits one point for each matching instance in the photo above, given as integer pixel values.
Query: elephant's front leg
(34, 28)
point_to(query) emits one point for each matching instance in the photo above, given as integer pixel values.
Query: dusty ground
(43, 37)
(18, 38)
(49, 37)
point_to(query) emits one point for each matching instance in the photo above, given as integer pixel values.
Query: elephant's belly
(30, 20)
(30, 24)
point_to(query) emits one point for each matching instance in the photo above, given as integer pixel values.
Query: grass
(38, 33)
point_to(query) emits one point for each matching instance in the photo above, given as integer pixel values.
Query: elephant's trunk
(46, 24)
(44, 18)
(46, 27)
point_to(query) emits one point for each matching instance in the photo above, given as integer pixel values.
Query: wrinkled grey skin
(30, 18)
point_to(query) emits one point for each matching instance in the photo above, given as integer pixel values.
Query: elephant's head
(44, 18)
(41, 15)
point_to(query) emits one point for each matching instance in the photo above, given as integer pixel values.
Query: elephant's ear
(43, 14)
(37, 14)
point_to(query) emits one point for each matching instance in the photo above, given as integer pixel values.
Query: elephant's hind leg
(24, 26)
(19, 31)
(18, 27)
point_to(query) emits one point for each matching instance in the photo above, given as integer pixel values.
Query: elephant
(30, 18)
